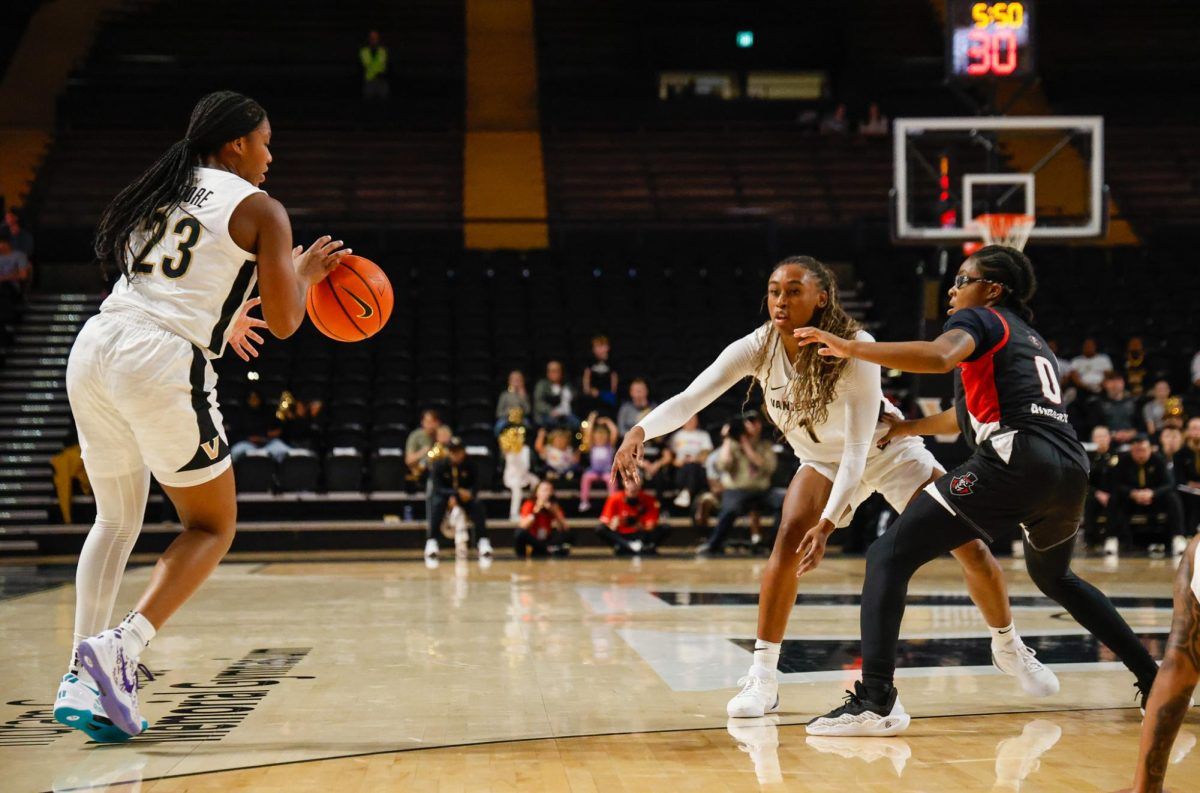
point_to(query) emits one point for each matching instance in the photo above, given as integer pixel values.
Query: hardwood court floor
(588, 674)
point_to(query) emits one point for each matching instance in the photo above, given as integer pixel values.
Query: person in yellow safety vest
(374, 58)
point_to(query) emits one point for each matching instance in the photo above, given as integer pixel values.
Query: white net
(1004, 228)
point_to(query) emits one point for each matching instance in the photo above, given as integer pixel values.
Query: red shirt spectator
(545, 520)
(629, 515)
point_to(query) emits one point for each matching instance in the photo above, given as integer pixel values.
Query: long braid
(147, 201)
(815, 383)
(1011, 269)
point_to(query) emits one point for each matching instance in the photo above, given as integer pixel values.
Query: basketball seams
(333, 292)
(380, 319)
(312, 313)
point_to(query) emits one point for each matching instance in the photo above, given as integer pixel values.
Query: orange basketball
(353, 302)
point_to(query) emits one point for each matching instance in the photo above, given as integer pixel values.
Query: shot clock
(989, 40)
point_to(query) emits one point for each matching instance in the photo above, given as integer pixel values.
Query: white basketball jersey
(194, 277)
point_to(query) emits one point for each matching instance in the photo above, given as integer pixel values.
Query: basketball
(353, 303)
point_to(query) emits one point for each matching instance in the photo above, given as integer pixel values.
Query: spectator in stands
(559, 458)
(1137, 369)
(1154, 412)
(836, 123)
(690, 447)
(453, 482)
(1187, 473)
(542, 530)
(513, 406)
(262, 428)
(552, 399)
(629, 522)
(1116, 409)
(876, 123)
(18, 236)
(749, 459)
(1170, 442)
(637, 406)
(1095, 510)
(600, 443)
(374, 59)
(303, 429)
(1064, 371)
(1196, 371)
(1089, 368)
(15, 270)
(1142, 486)
(420, 443)
(518, 467)
(600, 378)
(658, 470)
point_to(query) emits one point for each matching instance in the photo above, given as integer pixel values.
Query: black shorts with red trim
(1039, 489)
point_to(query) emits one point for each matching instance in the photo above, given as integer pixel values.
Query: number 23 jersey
(1009, 382)
(194, 278)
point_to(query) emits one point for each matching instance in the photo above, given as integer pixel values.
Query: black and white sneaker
(862, 716)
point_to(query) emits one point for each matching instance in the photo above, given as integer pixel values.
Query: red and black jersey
(1009, 382)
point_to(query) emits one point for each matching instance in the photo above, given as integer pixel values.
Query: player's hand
(897, 428)
(243, 333)
(812, 546)
(628, 459)
(318, 261)
(831, 346)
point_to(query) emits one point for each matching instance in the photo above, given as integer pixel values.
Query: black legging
(927, 530)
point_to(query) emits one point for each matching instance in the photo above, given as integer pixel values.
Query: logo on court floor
(963, 484)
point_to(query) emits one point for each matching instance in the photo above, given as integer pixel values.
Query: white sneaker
(78, 705)
(1157, 550)
(1020, 756)
(115, 674)
(635, 546)
(683, 500)
(484, 546)
(1020, 661)
(862, 717)
(758, 697)
(431, 548)
(1112, 546)
(894, 750)
(1179, 544)
(759, 738)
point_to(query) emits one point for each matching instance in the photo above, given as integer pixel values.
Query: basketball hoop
(1000, 228)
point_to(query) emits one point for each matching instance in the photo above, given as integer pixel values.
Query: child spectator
(690, 447)
(557, 455)
(543, 527)
(629, 522)
(600, 441)
(513, 398)
(600, 378)
(552, 399)
(518, 468)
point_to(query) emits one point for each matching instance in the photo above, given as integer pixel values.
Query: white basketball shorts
(144, 397)
(896, 472)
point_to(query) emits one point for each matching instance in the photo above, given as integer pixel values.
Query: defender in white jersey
(836, 421)
(190, 237)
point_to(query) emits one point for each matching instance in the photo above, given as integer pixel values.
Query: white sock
(1005, 637)
(766, 655)
(136, 633)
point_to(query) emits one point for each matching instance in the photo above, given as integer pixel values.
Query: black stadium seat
(300, 472)
(344, 470)
(255, 472)
(388, 470)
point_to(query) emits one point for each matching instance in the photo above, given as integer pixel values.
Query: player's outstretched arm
(1172, 694)
(924, 357)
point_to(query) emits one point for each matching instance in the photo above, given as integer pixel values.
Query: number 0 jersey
(1009, 384)
(194, 278)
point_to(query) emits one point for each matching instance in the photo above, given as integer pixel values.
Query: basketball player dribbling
(835, 418)
(190, 238)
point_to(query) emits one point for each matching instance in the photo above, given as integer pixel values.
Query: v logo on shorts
(212, 448)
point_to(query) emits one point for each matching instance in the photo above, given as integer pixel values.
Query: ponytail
(145, 204)
(1011, 269)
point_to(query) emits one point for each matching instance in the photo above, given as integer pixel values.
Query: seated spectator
(600, 441)
(709, 502)
(419, 444)
(68, 469)
(513, 400)
(1137, 368)
(1095, 509)
(876, 123)
(600, 379)
(1154, 412)
(542, 530)
(261, 428)
(374, 60)
(453, 482)
(1170, 443)
(657, 469)
(835, 123)
(1089, 368)
(637, 406)
(559, 458)
(15, 270)
(749, 459)
(1142, 486)
(1116, 409)
(552, 399)
(1186, 472)
(690, 447)
(629, 522)
(1196, 371)
(303, 428)
(19, 237)
(518, 468)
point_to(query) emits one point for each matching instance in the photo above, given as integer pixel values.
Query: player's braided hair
(217, 118)
(1011, 269)
(815, 383)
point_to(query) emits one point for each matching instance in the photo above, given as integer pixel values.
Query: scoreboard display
(989, 40)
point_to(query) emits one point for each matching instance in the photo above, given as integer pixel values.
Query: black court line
(498, 741)
(681, 598)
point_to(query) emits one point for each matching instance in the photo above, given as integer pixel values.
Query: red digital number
(979, 54)
(1006, 64)
(991, 53)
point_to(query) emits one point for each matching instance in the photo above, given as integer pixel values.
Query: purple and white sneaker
(115, 674)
